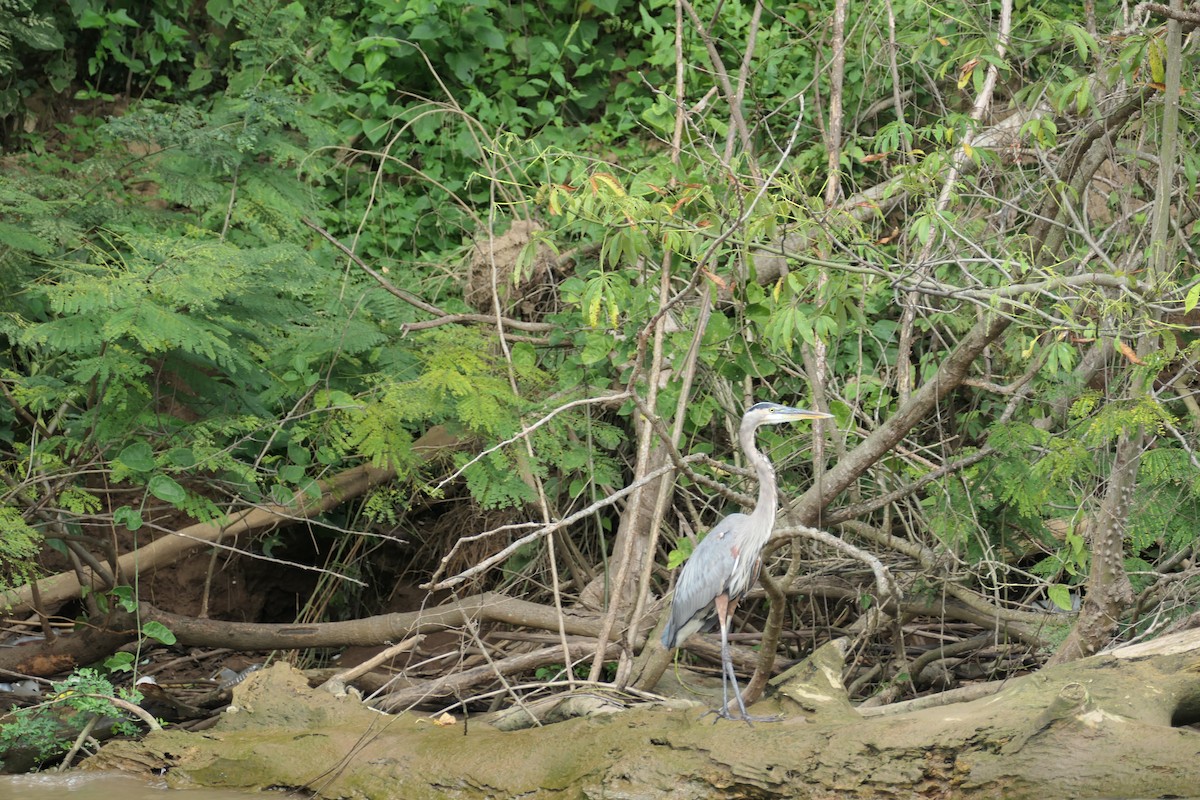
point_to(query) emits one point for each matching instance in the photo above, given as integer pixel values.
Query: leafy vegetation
(47, 730)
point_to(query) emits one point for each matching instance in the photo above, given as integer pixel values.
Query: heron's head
(774, 413)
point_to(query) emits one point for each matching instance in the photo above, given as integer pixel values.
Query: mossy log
(1114, 725)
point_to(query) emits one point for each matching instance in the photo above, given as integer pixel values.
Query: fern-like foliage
(18, 547)
(143, 300)
(452, 379)
(240, 164)
(20, 22)
(1038, 483)
(1167, 511)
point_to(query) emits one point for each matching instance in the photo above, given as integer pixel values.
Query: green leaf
(138, 457)
(922, 228)
(156, 630)
(198, 79)
(340, 57)
(490, 38)
(91, 18)
(166, 489)
(125, 597)
(1084, 43)
(431, 28)
(297, 454)
(310, 488)
(121, 17)
(292, 473)
(1193, 297)
(131, 518)
(681, 553)
(1060, 595)
(119, 662)
(596, 348)
(220, 10)
(374, 60)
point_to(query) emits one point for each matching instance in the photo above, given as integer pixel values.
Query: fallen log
(68, 651)
(1116, 724)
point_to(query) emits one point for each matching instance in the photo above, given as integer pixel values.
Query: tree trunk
(1109, 592)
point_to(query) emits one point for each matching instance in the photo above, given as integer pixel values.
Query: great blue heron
(725, 564)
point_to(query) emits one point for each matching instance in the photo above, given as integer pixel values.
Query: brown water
(101, 786)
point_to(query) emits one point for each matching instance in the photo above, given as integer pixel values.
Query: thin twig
(337, 682)
(83, 736)
(524, 433)
(885, 585)
(444, 317)
(545, 530)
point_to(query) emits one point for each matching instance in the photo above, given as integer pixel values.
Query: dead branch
(456, 684)
(369, 631)
(63, 653)
(66, 652)
(1191, 18)
(336, 684)
(545, 530)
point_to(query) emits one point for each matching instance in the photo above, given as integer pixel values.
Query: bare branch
(435, 584)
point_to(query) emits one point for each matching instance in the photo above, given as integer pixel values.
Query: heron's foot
(749, 719)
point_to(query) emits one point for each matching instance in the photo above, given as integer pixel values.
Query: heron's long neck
(764, 512)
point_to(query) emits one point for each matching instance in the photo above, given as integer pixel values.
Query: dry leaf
(717, 279)
(1128, 352)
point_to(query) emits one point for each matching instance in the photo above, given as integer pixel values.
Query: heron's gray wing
(705, 575)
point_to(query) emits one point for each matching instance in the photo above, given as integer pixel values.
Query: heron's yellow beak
(789, 414)
(804, 413)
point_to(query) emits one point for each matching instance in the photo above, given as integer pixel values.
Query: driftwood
(1114, 724)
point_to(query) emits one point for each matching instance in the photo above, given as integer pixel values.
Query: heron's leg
(720, 603)
(725, 608)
